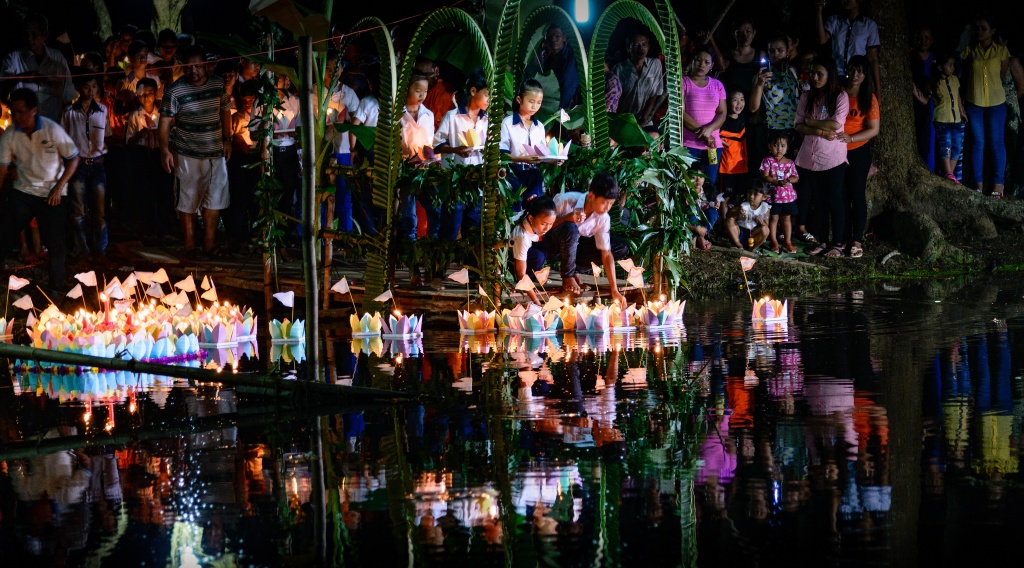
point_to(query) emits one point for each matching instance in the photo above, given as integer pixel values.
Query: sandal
(775, 248)
(788, 247)
(997, 195)
(834, 252)
(856, 251)
(808, 238)
(817, 250)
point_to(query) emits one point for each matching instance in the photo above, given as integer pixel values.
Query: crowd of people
(156, 128)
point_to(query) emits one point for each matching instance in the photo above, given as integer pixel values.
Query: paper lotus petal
(462, 276)
(403, 326)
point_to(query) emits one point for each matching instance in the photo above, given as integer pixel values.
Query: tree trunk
(923, 205)
(166, 14)
(104, 27)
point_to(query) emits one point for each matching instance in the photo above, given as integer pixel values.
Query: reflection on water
(876, 428)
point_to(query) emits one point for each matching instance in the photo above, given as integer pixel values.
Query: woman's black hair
(537, 206)
(867, 88)
(476, 80)
(527, 86)
(693, 58)
(829, 94)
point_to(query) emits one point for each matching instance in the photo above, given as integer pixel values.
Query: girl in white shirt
(520, 130)
(537, 219)
(452, 143)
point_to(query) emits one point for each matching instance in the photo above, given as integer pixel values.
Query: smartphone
(764, 63)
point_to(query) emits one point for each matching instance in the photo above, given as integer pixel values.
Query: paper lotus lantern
(400, 326)
(220, 335)
(6, 330)
(769, 310)
(567, 313)
(367, 326)
(623, 319)
(478, 343)
(287, 332)
(471, 323)
(531, 321)
(245, 328)
(591, 319)
(665, 315)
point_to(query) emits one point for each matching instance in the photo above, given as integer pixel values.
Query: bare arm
(225, 131)
(70, 165)
(719, 119)
(609, 270)
(871, 127)
(166, 157)
(826, 124)
(823, 36)
(760, 80)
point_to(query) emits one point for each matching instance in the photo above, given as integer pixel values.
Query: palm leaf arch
(610, 18)
(532, 32)
(386, 149)
(673, 73)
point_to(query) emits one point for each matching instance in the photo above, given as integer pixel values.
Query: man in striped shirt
(197, 154)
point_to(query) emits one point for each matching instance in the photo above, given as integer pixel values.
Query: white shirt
(515, 135)
(417, 132)
(522, 240)
(850, 37)
(343, 104)
(54, 93)
(368, 111)
(595, 225)
(39, 157)
(749, 217)
(87, 130)
(138, 121)
(454, 123)
(130, 82)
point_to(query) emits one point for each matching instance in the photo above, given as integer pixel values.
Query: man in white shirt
(45, 158)
(38, 60)
(581, 235)
(642, 78)
(850, 34)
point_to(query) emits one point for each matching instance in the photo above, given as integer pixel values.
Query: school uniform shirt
(982, 84)
(851, 37)
(287, 118)
(138, 121)
(749, 218)
(130, 82)
(87, 129)
(597, 226)
(734, 155)
(39, 157)
(816, 153)
(343, 104)
(516, 135)
(53, 93)
(454, 123)
(368, 111)
(946, 95)
(417, 132)
(855, 120)
(522, 240)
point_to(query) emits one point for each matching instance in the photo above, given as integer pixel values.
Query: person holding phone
(738, 68)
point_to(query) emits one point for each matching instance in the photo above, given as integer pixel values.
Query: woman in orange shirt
(861, 126)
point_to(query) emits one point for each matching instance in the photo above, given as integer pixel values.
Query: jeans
(561, 243)
(19, 208)
(88, 201)
(711, 170)
(827, 203)
(949, 139)
(856, 184)
(406, 215)
(987, 125)
(707, 220)
(529, 180)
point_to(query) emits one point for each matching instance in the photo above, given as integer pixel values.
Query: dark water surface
(879, 427)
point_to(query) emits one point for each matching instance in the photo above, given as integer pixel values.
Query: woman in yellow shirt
(985, 65)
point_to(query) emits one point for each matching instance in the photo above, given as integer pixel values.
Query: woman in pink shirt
(821, 162)
(704, 101)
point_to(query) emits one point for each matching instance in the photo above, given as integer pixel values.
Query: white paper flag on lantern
(31, 321)
(636, 277)
(211, 294)
(186, 285)
(129, 283)
(385, 296)
(462, 276)
(114, 284)
(525, 284)
(553, 305)
(144, 277)
(185, 310)
(161, 276)
(15, 283)
(206, 283)
(117, 293)
(155, 290)
(287, 299)
(563, 116)
(627, 264)
(542, 275)
(75, 292)
(24, 302)
(481, 290)
(341, 286)
(596, 269)
(87, 278)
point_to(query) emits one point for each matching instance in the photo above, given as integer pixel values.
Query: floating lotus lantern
(623, 320)
(661, 314)
(366, 326)
(478, 343)
(769, 310)
(287, 331)
(400, 326)
(591, 319)
(6, 330)
(471, 323)
(531, 321)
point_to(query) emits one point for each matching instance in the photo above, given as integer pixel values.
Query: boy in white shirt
(748, 223)
(581, 236)
(86, 122)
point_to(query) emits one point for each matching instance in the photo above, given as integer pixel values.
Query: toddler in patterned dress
(780, 172)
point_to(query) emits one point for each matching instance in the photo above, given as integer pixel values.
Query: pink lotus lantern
(768, 310)
(399, 326)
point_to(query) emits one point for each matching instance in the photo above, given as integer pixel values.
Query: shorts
(785, 208)
(202, 183)
(949, 139)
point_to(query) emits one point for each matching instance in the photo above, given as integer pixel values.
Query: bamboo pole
(281, 387)
(309, 208)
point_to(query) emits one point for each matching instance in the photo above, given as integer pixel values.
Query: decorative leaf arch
(386, 150)
(673, 73)
(531, 34)
(599, 44)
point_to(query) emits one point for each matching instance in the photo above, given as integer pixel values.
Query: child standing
(732, 170)
(143, 152)
(520, 130)
(949, 117)
(417, 139)
(86, 122)
(538, 217)
(749, 222)
(779, 172)
(470, 114)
